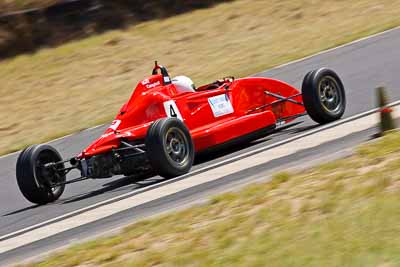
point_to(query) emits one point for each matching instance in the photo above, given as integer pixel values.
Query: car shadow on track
(21, 210)
(302, 129)
(219, 153)
(136, 182)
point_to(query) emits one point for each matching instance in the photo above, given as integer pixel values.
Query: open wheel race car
(164, 124)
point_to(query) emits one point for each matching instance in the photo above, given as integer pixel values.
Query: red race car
(167, 121)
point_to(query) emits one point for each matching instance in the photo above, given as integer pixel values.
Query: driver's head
(183, 84)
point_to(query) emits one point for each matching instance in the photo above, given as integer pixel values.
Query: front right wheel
(170, 148)
(323, 95)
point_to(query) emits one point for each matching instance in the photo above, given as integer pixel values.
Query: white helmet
(183, 84)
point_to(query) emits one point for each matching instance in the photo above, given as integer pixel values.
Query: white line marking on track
(196, 171)
(129, 200)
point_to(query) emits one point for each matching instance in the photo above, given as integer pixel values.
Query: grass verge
(84, 83)
(15, 5)
(342, 213)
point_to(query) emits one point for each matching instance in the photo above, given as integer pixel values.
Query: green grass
(342, 213)
(84, 83)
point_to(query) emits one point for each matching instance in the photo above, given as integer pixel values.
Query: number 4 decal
(172, 110)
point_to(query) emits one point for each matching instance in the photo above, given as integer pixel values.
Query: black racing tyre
(170, 148)
(33, 180)
(324, 96)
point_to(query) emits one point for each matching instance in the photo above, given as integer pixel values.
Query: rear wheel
(170, 148)
(34, 179)
(323, 95)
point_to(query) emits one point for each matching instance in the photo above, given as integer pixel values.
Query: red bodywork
(247, 96)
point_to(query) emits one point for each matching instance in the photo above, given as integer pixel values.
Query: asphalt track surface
(362, 65)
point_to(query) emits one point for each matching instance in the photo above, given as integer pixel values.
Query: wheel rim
(330, 94)
(177, 146)
(45, 176)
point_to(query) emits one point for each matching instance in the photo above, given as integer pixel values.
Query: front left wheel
(35, 179)
(170, 148)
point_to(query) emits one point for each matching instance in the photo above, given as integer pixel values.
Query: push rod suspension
(70, 181)
(281, 99)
